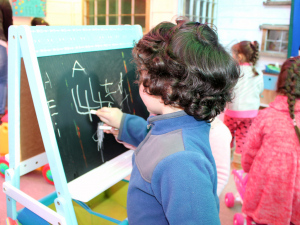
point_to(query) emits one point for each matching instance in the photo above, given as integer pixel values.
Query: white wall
(162, 10)
(59, 12)
(239, 20)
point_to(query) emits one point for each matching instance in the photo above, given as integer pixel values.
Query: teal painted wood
(44, 120)
(60, 40)
(14, 76)
(270, 82)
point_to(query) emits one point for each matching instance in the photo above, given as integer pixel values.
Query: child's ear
(241, 57)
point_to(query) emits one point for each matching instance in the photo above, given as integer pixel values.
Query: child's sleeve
(183, 184)
(254, 141)
(133, 129)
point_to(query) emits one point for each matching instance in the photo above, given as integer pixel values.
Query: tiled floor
(34, 185)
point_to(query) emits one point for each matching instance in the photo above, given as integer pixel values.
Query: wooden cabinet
(269, 93)
(267, 97)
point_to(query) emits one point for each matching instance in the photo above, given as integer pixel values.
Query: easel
(31, 136)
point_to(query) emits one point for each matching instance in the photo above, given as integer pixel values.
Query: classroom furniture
(57, 75)
(269, 93)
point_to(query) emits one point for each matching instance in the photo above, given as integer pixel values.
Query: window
(275, 40)
(117, 12)
(203, 11)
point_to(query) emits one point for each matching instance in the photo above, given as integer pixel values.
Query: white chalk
(104, 127)
(93, 112)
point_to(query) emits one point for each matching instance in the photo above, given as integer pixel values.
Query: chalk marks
(85, 92)
(126, 98)
(80, 68)
(86, 109)
(107, 89)
(130, 94)
(48, 81)
(51, 105)
(124, 62)
(78, 134)
(99, 140)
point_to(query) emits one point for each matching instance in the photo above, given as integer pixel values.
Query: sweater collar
(280, 103)
(153, 119)
(173, 121)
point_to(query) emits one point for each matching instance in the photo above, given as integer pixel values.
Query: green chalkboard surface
(76, 83)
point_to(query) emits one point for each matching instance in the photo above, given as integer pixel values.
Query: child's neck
(170, 109)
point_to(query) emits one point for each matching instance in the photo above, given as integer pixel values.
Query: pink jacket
(272, 158)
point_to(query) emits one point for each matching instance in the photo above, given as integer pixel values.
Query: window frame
(274, 3)
(207, 15)
(86, 15)
(265, 28)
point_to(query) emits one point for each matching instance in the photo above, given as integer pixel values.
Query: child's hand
(115, 132)
(110, 116)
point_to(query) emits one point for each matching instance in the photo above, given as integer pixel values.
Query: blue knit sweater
(174, 177)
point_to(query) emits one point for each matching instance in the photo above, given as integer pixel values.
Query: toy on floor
(4, 165)
(240, 179)
(4, 135)
(47, 174)
(10, 221)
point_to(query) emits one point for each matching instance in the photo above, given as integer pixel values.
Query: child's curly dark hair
(187, 66)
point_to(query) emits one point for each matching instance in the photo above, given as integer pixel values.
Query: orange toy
(4, 135)
(3, 139)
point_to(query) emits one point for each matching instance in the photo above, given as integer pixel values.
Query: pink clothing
(239, 130)
(271, 155)
(245, 64)
(241, 114)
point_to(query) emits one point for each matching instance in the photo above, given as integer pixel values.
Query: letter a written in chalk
(77, 66)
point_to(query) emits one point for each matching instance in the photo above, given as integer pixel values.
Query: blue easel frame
(30, 43)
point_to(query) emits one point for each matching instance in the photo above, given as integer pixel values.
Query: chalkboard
(76, 83)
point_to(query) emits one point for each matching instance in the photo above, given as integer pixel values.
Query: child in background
(39, 22)
(244, 107)
(185, 78)
(219, 139)
(5, 21)
(271, 155)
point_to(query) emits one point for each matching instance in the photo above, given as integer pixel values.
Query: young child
(185, 78)
(271, 155)
(244, 107)
(219, 140)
